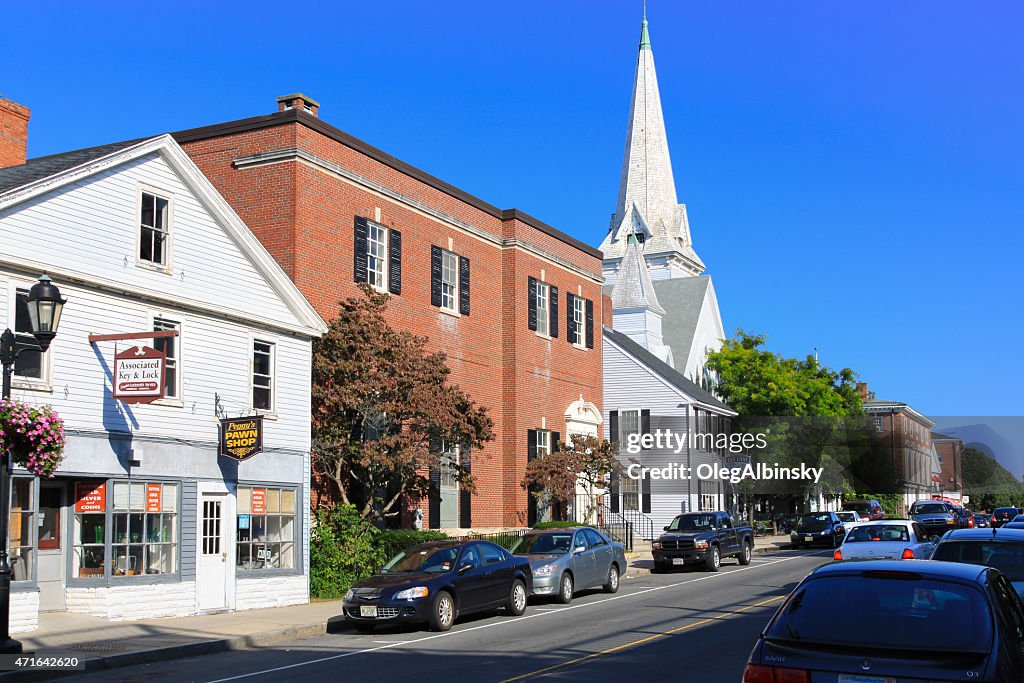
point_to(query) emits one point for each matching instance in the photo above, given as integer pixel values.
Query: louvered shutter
(613, 492)
(570, 317)
(553, 311)
(613, 426)
(465, 497)
(359, 250)
(531, 453)
(463, 285)
(645, 494)
(435, 276)
(590, 323)
(394, 262)
(532, 317)
(645, 421)
(434, 504)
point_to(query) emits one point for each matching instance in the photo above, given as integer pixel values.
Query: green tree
(989, 484)
(380, 401)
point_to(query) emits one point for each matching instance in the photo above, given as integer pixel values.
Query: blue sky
(852, 172)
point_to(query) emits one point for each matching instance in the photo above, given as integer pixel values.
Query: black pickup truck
(702, 538)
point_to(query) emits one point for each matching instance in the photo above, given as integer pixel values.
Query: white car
(848, 517)
(894, 539)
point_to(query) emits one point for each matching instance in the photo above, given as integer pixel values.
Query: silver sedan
(895, 539)
(567, 560)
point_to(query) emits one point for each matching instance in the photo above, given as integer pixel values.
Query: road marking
(503, 622)
(641, 641)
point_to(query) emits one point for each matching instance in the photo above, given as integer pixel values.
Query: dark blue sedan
(437, 582)
(888, 620)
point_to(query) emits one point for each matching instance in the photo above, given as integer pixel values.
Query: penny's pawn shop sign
(139, 375)
(242, 437)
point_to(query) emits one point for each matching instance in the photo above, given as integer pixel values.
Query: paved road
(686, 625)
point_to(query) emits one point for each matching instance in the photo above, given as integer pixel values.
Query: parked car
(702, 538)
(1001, 516)
(900, 621)
(818, 528)
(848, 517)
(982, 520)
(1002, 549)
(936, 516)
(894, 539)
(437, 582)
(870, 508)
(564, 561)
(964, 517)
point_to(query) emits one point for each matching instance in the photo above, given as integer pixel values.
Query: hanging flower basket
(33, 434)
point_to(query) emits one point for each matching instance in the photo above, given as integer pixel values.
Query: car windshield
(692, 523)
(878, 532)
(555, 543)
(848, 516)
(815, 519)
(928, 509)
(1006, 556)
(886, 610)
(423, 559)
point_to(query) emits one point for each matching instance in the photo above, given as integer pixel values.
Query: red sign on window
(153, 497)
(259, 501)
(90, 496)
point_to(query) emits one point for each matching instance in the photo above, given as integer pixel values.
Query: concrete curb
(195, 649)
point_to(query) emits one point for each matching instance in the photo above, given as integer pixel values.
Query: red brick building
(515, 303)
(950, 452)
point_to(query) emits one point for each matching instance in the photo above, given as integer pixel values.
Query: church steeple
(636, 310)
(647, 191)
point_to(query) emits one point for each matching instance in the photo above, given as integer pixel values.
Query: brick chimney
(298, 101)
(862, 391)
(13, 133)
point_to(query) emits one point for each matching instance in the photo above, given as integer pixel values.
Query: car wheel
(565, 589)
(612, 585)
(516, 604)
(442, 616)
(745, 554)
(657, 568)
(363, 627)
(714, 561)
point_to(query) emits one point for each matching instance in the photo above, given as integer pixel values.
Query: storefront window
(90, 523)
(144, 521)
(22, 554)
(265, 528)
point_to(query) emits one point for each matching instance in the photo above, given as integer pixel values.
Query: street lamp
(44, 308)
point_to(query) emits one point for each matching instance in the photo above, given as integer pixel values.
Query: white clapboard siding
(91, 227)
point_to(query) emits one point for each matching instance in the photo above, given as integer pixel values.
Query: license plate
(857, 678)
(808, 538)
(678, 560)
(368, 611)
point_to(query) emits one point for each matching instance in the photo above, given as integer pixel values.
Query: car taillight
(792, 676)
(755, 673)
(908, 554)
(837, 555)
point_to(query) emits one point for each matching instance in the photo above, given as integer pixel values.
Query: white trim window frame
(579, 320)
(41, 380)
(449, 282)
(629, 423)
(154, 218)
(377, 256)
(543, 442)
(171, 346)
(262, 376)
(543, 309)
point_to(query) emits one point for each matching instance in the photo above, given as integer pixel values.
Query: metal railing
(618, 530)
(503, 538)
(643, 526)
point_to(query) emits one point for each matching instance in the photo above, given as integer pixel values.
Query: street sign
(139, 375)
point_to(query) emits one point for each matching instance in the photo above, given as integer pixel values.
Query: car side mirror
(465, 567)
(580, 549)
(664, 528)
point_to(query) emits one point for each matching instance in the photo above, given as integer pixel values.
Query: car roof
(998, 534)
(926, 568)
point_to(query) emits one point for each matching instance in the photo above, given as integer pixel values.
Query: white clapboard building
(144, 517)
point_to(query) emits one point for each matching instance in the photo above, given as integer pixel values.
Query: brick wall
(145, 601)
(302, 207)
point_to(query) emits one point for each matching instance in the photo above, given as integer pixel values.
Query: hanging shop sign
(139, 375)
(90, 496)
(241, 438)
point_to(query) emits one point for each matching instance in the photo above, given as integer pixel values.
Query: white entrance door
(213, 553)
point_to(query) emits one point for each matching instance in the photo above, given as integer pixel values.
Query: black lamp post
(44, 308)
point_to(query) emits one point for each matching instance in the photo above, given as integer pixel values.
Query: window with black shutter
(359, 250)
(465, 497)
(553, 312)
(613, 435)
(590, 324)
(395, 262)
(532, 318)
(531, 499)
(463, 285)
(435, 275)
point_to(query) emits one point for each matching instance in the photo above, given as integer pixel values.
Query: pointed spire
(633, 287)
(645, 39)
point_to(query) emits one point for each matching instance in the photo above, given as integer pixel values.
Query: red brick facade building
(950, 452)
(498, 291)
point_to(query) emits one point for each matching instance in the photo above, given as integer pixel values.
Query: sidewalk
(106, 644)
(640, 561)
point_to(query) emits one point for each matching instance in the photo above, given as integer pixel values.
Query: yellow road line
(641, 641)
